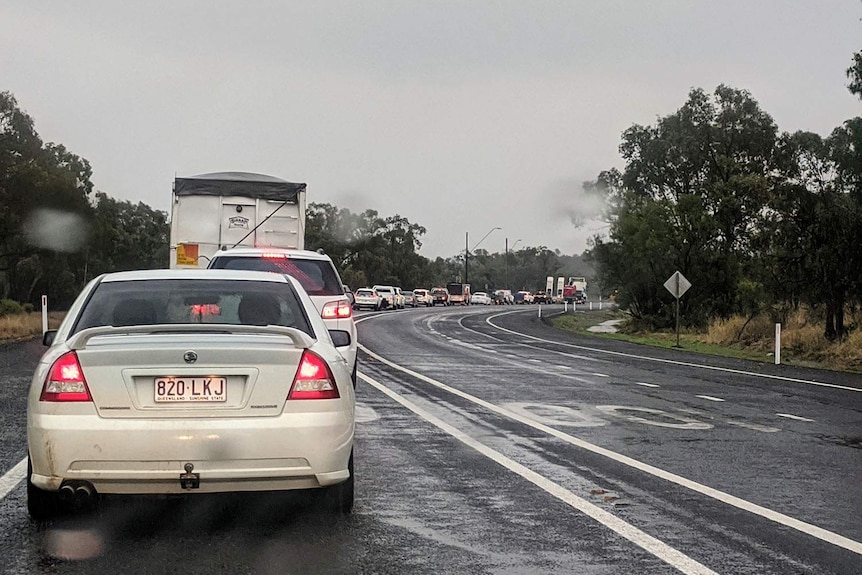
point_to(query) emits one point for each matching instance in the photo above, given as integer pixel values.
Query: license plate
(210, 389)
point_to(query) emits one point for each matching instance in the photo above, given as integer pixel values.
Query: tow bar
(189, 480)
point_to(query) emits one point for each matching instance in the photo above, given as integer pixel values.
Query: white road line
(796, 417)
(656, 547)
(709, 398)
(671, 361)
(646, 384)
(753, 426)
(12, 478)
(528, 343)
(601, 375)
(563, 367)
(739, 503)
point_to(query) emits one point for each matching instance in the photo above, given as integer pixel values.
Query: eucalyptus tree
(689, 199)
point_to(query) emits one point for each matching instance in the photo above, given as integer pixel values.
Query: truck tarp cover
(242, 184)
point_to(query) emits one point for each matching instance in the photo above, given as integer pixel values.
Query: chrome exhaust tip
(83, 493)
(67, 492)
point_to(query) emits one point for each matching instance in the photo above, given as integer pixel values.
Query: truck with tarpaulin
(223, 210)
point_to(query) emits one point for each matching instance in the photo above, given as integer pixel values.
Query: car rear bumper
(145, 456)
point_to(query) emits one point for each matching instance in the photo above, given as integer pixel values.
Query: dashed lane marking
(709, 398)
(646, 384)
(732, 500)
(656, 547)
(794, 417)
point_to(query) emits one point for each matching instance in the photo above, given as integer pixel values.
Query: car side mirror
(340, 338)
(48, 337)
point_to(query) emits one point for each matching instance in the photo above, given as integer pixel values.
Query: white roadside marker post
(44, 314)
(777, 344)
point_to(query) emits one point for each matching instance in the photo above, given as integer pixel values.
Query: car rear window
(318, 277)
(364, 292)
(193, 301)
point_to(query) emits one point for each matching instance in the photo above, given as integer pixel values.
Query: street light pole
(508, 287)
(466, 254)
(467, 248)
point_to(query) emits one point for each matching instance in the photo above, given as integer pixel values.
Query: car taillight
(337, 310)
(65, 381)
(313, 379)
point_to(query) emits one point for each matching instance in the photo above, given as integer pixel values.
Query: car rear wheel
(41, 504)
(340, 497)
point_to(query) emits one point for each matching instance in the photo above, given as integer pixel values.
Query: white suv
(314, 271)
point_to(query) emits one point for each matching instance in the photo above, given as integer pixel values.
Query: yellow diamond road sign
(677, 284)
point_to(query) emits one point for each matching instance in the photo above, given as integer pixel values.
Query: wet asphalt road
(489, 443)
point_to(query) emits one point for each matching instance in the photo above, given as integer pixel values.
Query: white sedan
(189, 381)
(481, 298)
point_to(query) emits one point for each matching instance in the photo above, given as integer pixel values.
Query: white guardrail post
(778, 344)
(44, 313)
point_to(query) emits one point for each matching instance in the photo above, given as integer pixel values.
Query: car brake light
(340, 309)
(313, 379)
(65, 381)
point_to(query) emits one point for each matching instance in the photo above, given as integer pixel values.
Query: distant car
(423, 297)
(440, 295)
(367, 298)
(399, 298)
(541, 297)
(524, 297)
(409, 299)
(389, 296)
(480, 298)
(179, 382)
(503, 296)
(580, 297)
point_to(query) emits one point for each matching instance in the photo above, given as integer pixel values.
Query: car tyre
(41, 505)
(340, 497)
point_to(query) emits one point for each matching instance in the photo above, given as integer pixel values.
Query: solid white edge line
(670, 361)
(12, 478)
(654, 546)
(739, 503)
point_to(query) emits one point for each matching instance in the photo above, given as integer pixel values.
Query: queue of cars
(381, 297)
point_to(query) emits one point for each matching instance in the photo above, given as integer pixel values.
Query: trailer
(210, 212)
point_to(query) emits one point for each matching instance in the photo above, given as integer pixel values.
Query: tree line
(760, 221)
(57, 232)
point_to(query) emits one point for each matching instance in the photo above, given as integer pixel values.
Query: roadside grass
(15, 327)
(802, 341)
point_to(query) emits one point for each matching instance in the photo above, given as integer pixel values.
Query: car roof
(262, 251)
(189, 273)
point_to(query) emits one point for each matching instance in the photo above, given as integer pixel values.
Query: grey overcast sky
(458, 115)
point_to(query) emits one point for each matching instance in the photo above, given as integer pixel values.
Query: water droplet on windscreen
(55, 230)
